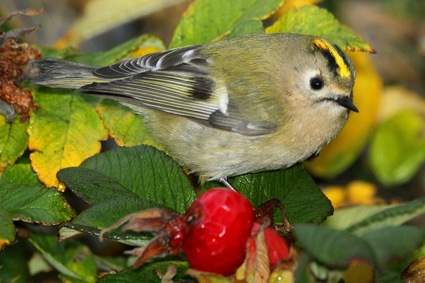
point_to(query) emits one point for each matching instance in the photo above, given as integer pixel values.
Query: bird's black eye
(316, 83)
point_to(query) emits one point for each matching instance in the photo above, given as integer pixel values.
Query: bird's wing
(176, 81)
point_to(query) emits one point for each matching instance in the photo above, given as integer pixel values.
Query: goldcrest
(244, 104)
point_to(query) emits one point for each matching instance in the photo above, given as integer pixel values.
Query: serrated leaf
(7, 229)
(13, 262)
(69, 258)
(144, 273)
(206, 20)
(20, 174)
(142, 170)
(390, 217)
(66, 129)
(390, 160)
(63, 132)
(125, 126)
(35, 204)
(303, 200)
(392, 243)
(312, 20)
(126, 180)
(13, 141)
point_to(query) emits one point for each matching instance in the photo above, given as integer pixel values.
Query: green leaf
(13, 141)
(125, 126)
(347, 216)
(67, 129)
(254, 26)
(123, 181)
(7, 229)
(392, 243)
(13, 263)
(63, 132)
(302, 273)
(303, 200)
(140, 171)
(51, 52)
(390, 160)
(35, 204)
(312, 20)
(69, 258)
(393, 215)
(20, 174)
(335, 249)
(144, 273)
(332, 248)
(104, 215)
(206, 20)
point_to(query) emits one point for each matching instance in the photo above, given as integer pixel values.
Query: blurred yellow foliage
(347, 146)
(289, 4)
(143, 51)
(356, 192)
(398, 98)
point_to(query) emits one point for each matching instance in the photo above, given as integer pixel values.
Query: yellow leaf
(143, 51)
(65, 131)
(347, 146)
(337, 195)
(356, 192)
(289, 4)
(4, 243)
(125, 126)
(360, 192)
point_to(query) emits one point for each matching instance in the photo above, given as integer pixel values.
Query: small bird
(245, 104)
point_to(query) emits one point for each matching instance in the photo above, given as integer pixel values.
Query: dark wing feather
(166, 90)
(175, 81)
(151, 62)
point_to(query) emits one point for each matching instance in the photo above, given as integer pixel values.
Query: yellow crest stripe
(343, 69)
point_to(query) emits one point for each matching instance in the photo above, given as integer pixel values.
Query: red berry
(216, 228)
(278, 247)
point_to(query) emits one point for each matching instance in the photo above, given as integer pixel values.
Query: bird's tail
(55, 72)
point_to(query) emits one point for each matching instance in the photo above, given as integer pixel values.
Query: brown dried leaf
(12, 57)
(28, 12)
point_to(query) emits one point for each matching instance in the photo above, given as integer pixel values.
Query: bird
(245, 104)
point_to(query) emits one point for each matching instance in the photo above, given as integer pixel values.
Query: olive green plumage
(244, 104)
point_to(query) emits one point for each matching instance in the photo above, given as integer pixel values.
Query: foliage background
(383, 147)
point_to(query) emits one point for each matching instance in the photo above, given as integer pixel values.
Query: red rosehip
(216, 229)
(277, 245)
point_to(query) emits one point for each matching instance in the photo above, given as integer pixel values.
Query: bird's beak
(345, 101)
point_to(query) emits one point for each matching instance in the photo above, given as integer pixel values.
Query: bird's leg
(227, 184)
